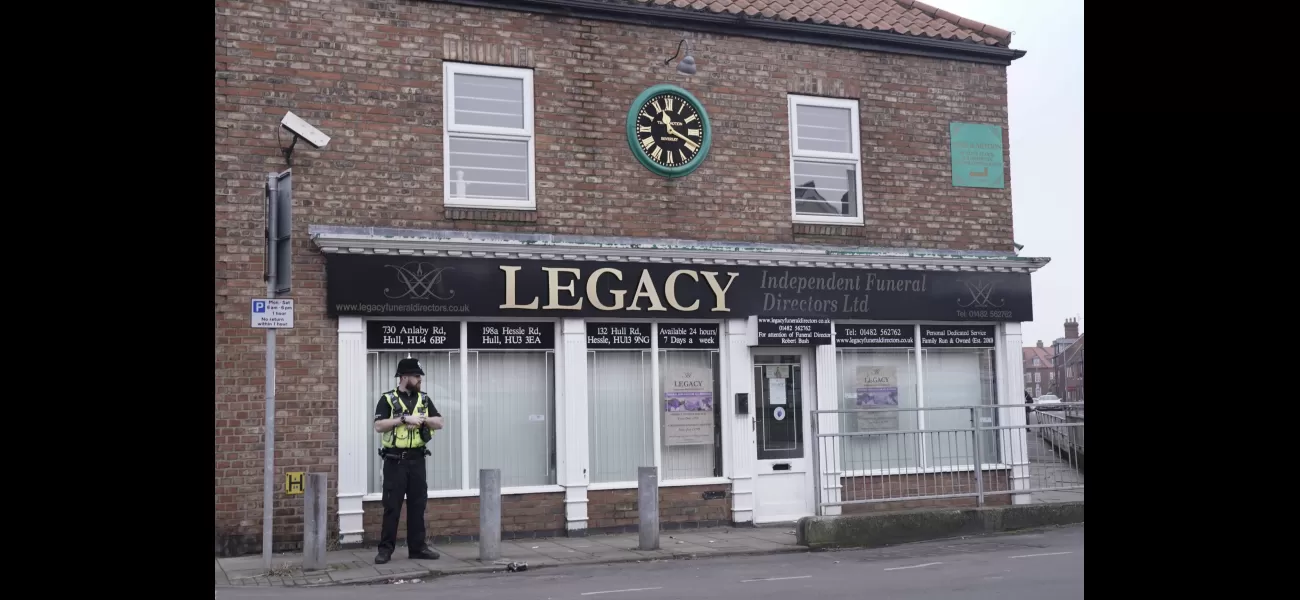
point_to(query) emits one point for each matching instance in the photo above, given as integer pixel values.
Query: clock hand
(668, 122)
(669, 126)
(689, 142)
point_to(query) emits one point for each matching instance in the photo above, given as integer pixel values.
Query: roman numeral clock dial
(668, 131)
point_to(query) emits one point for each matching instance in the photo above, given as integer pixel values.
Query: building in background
(608, 256)
(1060, 346)
(1040, 373)
(1073, 366)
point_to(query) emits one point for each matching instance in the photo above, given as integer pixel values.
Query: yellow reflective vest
(402, 436)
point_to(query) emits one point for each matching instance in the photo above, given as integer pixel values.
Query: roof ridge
(1000, 34)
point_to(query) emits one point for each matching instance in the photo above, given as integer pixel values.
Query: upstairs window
(488, 137)
(825, 161)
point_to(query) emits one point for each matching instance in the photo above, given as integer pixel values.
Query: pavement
(1022, 566)
(1047, 470)
(358, 566)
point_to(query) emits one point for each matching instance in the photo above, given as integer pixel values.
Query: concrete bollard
(314, 523)
(489, 514)
(647, 480)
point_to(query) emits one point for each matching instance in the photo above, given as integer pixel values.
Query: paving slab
(709, 541)
(357, 566)
(782, 535)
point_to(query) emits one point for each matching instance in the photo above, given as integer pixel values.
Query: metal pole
(647, 481)
(817, 466)
(979, 459)
(268, 444)
(489, 514)
(313, 543)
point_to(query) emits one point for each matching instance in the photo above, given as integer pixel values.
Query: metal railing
(926, 457)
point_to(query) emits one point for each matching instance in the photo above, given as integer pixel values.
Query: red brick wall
(678, 507)
(904, 487)
(456, 519)
(369, 75)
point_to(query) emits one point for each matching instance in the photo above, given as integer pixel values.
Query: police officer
(406, 419)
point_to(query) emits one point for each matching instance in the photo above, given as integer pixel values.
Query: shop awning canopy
(333, 239)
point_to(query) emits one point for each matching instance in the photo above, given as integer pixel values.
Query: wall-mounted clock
(668, 130)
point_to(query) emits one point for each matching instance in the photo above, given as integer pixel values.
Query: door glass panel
(778, 381)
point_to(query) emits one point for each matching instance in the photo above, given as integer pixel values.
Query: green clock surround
(634, 141)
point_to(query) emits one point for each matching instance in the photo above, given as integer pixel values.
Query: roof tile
(906, 17)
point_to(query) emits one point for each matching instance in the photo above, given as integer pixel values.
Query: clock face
(669, 131)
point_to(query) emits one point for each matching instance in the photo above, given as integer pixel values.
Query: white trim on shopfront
(366, 240)
(354, 420)
(828, 390)
(472, 493)
(741, 461)
(573, 453)
(631, 485)
(1011, 372)
(573, 456)
(736, 339)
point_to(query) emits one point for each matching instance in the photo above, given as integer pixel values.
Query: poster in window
(877, 387)
(688, 407)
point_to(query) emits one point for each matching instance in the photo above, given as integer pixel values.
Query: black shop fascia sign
(380, 285)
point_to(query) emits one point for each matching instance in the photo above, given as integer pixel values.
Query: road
(1047, 564)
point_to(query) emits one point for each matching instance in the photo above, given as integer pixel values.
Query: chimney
(1040, 343)
(1071, 329)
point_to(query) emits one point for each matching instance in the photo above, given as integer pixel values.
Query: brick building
(1061, 355)
(1072, 367)
(490, 203)
(1040, 376)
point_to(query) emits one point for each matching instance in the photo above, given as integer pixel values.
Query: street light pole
(268, 445)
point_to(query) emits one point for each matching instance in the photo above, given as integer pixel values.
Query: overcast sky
(1046, 106)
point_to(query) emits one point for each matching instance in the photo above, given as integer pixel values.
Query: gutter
(762, 28)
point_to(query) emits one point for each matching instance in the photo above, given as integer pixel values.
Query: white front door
(783, 396)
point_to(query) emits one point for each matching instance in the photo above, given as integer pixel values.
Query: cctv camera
(304, 130)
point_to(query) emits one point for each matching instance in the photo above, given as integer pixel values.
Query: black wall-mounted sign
(509, 335)
(957, 336)
(618, 336)
(412, 335)
(689, 336)
(411, 286)
(793, 331)
(848, 335)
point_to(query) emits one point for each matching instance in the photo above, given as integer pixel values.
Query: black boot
(383, 557)
(425, 554)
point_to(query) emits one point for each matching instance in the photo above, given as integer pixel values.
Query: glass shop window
(620, 400)
(442, 384)
(960, 373)
(690, 390)
(511, 416)
(876, 366)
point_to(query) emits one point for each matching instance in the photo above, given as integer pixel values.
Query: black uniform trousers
(404, 477)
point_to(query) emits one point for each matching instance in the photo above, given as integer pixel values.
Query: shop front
(569, 363)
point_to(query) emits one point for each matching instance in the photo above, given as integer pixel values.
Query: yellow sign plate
(295, 483)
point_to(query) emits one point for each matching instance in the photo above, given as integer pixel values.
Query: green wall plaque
(976, 155)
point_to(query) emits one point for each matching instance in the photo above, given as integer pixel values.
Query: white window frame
(525, 134)
(854, 157)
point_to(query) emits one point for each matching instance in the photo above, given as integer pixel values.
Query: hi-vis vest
(401, 436)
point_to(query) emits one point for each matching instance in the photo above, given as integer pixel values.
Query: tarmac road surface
(1033, 566)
